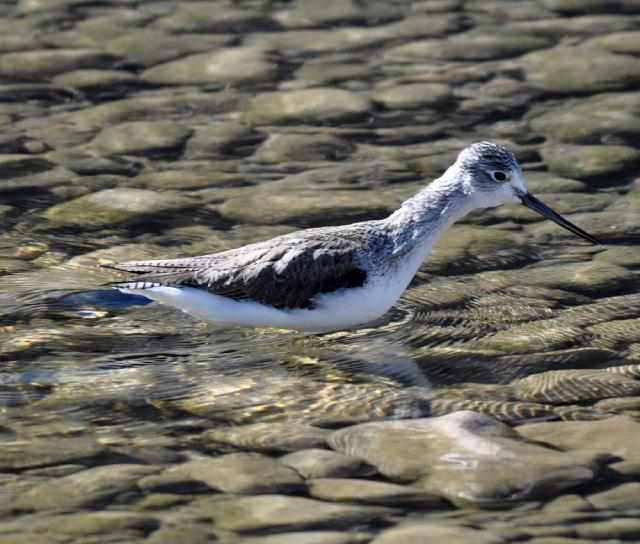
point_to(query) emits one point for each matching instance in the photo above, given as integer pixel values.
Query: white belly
(340, 309)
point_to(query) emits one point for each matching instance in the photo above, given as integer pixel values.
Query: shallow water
(144, 129)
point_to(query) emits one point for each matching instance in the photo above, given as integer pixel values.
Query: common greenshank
(332, 278)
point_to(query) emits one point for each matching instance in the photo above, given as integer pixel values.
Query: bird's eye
(499, 176)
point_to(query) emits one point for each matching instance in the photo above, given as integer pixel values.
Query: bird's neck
(423, 219)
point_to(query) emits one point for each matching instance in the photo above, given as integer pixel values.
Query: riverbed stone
(245, 473)
(99, 79)
(317, 463)
(113, 206)
(417, 533)
(414, 95)
(503, 468)
(230, 66)
(49, 451)
(141, 137)
(302, 147)
(320, 105)
(84, 488)
(41, 65)
(566, 69)
(90, 523)
(270, 512)
(619, 42)
(222, 138)
(269, 437)
(590, 161)
(624, 496)
(312, 537)
(370, 492)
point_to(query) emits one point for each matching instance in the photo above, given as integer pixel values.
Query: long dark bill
(534, 204)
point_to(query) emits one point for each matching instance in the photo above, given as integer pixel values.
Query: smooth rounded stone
(14, 165)
(113, 206)
(231, 66)
(319, 72)
(55, 471)
(319, 105)
(590, 161)
(179, 103)
(155, 46)
(497, 467)
(187, 179)
(370, 492)
(625, 405)
(311, 537)
(83, 489)
(162, 501)
(310, 13)
(317, 463)
(87, 79)
(621, 330)
(305, 208)
(41, 65)
(140, 137)
(619, 42)
(573, 7)
(90, 523)
(566, 386)
(590, 121)
(220, 138)
(532, 337)
(85, 161)
(622, 528)
(51, 451)
(414, 95)
(210, 18)
(302, 147)
(170, 482)
(269, 437)
(546, 182)
(629, 202)
(433, 531)
(270, 512)
(618, 435)
(564, 69)
(470, 46)
(245, 473)
(625, 496)
(500, 409)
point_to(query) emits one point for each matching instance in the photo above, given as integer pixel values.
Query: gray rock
(13, 165)
(270, 512)
(546, 182)
(317, 463)
(573, 7)
(618, 528)
(50, 451)
(370, 492)
(140, 137)
(170, 482)
(302, 147)
(220, 138)
(247, 473)
(590, 161)
(40, 65)
(625, 496)
(91, 523)
(619, 42)
(83, 489)
(269, 437)
(332, 12)
(311, 537)
(565, 69)
(90, 79)
(319, 72)
(230, 66)
(417, 532)
(113, 206)
(210, 18)
(318, 105)
(414, 95)
(504, 469)
(467, 46)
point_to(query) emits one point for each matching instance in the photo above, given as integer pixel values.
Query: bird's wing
(287, 272)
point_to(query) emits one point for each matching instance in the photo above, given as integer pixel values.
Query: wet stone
(311, 537)
(310, 13)
(413, 96)
(171, 482)
(416, 532)
(302, 147)
(318, 106)
(625, 496)
(141, 137)
(623, 528)
(113, 206)
(317, 463)
(209, 19)
(566, 386)
(220, 138)
(247, 473)
(85, 488)
(89, 523)
(269, 437)
(619, 42)
(504, 469)
(564, 69)
(370, 492)
(40, 65)
(270, 512)
(231, 66)
(590, 161)
(51, 451)
(88, 79)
